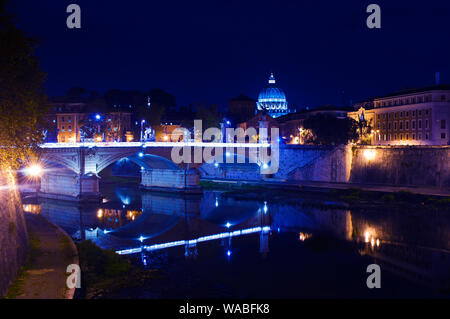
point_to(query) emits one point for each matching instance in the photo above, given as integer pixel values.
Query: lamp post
(142, 130)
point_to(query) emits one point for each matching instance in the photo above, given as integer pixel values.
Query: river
(216, 245)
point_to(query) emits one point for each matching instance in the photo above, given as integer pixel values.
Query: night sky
(209, 51)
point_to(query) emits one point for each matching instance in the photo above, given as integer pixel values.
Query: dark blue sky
(213, 50)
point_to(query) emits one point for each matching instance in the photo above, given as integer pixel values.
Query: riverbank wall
(395, 166)
(13, 231)
(420, 166)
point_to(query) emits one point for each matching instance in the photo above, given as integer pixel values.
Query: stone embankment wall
(13, 232)
(316, 163)
(422, 166)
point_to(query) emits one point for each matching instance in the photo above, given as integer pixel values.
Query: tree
(22, 98)
(209, 115)
(329, 130)
(89, 126)
(365, 131)
(161, 103)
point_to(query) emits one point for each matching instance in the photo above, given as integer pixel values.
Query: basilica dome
(272, 99)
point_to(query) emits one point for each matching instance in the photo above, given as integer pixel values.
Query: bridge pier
(186, 181)
(67, 185)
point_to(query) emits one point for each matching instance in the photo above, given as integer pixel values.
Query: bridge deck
(153, 144)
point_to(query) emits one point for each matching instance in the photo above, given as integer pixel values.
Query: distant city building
(241, 108)
(272, 100)
(68, 120)
(409, 117)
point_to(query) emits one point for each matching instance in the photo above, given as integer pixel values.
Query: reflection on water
(411, 246)
(32, 208)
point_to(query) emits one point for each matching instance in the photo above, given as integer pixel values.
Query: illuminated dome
(272, 100)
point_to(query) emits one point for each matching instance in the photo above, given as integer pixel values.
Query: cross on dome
(272, 79)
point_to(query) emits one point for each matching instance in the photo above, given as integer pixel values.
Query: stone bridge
(72, 170)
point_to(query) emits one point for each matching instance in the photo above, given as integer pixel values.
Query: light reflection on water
(412, 246)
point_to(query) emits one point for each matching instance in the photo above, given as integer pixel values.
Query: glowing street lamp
(34, 170)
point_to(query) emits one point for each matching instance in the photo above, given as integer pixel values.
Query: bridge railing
(154, 144)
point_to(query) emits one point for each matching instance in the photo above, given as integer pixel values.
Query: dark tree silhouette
(22, 98)
(329, 130)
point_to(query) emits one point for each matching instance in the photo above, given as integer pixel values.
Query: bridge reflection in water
(133, 222)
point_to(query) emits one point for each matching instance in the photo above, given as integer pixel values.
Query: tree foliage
(329, 130)
(209, 115)
(22, 97)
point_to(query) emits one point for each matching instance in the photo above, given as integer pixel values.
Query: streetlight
(34, 171)
(142, 130)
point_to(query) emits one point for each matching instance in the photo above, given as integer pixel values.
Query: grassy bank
(330, 198)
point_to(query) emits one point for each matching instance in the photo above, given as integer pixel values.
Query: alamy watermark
(74, 279)
(374, 19)
(374, 279)
(244, 146)
(74, 19)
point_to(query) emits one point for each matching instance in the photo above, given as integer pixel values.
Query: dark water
(213, 245)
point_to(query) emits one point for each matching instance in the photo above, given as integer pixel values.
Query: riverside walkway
(44, 274)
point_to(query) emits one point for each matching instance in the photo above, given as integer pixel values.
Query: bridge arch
(145, 161)
(53, 161)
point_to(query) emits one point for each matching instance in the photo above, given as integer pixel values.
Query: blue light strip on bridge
(153, 144)
(194, 241)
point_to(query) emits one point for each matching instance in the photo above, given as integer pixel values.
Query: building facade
(409, 117)
(71, 122)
